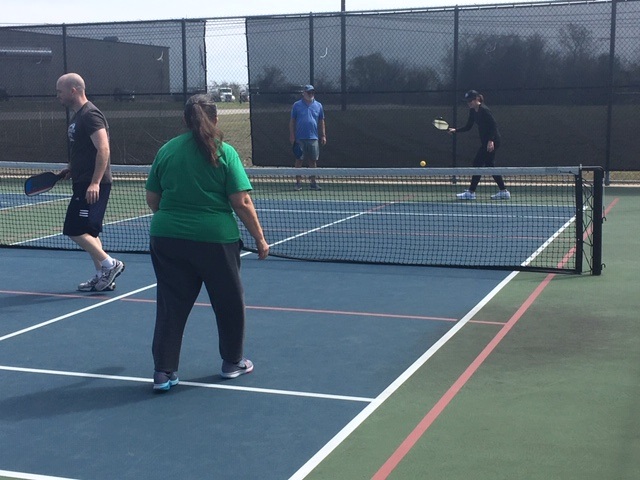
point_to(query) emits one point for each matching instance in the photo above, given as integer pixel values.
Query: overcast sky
(20, 12)
(232, 49)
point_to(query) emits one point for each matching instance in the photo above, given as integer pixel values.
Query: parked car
(4, 96)
(226, 94)
(124, 95)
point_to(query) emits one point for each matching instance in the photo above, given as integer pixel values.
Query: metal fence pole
(184, 61)
(65, 67)
(454, 83)
(311, 50)
(343, 58)
(610, 87)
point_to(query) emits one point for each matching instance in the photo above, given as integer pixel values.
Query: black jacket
(487, 126)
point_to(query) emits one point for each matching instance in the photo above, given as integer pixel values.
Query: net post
(598, 219)
(580, 233)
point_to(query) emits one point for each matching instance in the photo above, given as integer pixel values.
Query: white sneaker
(466, 195)
(501, 195)
(90, 285)
(109, 275)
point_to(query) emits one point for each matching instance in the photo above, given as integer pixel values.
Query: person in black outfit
(490, 141)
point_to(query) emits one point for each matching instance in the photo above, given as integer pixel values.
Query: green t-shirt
(194, 203)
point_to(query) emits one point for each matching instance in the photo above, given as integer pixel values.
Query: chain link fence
(562, 79)
(139, 74)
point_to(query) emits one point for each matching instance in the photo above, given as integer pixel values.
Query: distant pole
(311, 50)
(343, 57)
(610, 93)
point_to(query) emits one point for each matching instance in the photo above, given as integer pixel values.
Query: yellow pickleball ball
(423, 163)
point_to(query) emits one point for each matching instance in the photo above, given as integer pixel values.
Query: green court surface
(557, 398)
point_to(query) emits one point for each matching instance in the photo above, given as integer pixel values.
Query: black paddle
(43, 182)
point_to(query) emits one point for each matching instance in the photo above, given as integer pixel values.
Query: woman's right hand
(263, 248)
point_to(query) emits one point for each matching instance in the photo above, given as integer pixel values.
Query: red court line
(408, 443)
(437, 409)
(97, 295)
(248, 307)
(342, 312)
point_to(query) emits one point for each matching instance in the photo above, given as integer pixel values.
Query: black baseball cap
(471, 95)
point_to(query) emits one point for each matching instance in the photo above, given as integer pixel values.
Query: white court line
(77, 312)
(548, 242)
(322, 227)
(385, 213)
(271, 391)
(59, 234)
(82, 310)
(30, 476)
(146, 380)
(314, 461)
(342, 435)
(86, 309)
(33, 204)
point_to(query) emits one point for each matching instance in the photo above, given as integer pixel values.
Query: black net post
(579, 219)
(598, 218)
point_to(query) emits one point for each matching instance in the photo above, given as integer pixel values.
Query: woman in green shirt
(195, 184)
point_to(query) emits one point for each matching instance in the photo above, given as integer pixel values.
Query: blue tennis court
(326, 339)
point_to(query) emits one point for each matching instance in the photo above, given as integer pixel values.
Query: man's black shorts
(84, 218)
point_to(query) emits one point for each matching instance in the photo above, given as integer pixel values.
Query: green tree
(375, 73)
(271, 80)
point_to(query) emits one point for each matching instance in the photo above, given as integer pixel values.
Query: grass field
(36, 130)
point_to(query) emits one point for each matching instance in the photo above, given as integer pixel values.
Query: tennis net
(552, 222)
